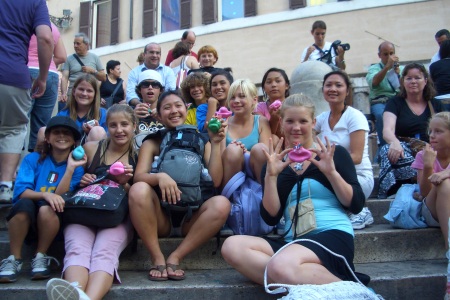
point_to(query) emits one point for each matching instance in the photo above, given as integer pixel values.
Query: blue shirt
(18, 22)
(328, 210)
(81, 121)
(44, 176)
(202, 110)
(250, 140)
(168, 77)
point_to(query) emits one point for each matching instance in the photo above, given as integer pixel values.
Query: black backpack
(181, 157)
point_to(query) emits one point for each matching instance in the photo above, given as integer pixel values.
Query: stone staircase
(403, 264)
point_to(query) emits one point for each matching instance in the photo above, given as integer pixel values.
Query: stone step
(419, 280)
(378, 243)
(378, 208)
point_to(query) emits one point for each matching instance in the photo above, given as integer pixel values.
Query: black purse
(102, 204)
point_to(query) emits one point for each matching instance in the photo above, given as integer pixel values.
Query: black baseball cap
(61, 121)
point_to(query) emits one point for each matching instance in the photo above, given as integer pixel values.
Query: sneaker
(60, 289)
(9, 269)
(41, 266)
(362, 219)
(6, 194)
(226, 231)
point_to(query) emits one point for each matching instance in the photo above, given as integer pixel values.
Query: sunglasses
(154, 85)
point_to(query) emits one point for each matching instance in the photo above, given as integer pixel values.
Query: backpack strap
(233, 184)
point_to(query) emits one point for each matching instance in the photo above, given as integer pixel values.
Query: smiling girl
(246, 134)
(37, 204)
(84, 108)
(196, 91)
(92, 254)
(275, 85)
(328, 180)
(151, 220)
(220, 83)
(348, 127)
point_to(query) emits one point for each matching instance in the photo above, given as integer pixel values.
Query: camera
(396, 64)
(338, 43)
(91, 123)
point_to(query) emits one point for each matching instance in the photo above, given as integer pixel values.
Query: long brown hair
(128, 112)
(428, 91)
(94, 110)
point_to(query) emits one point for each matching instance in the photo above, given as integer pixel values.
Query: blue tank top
(250, 140)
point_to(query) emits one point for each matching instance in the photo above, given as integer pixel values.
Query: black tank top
(107, 88)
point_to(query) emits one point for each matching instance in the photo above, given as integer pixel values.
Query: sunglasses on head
(153, 84)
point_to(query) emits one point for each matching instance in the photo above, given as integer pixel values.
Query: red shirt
(169, 57)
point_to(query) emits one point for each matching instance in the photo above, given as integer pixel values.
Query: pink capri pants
(96, 249)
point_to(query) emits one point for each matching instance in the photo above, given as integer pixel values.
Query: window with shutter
(115, 22)
(185, 14)
(85, 18)
(102, 23)
(232, 9)
(148, 18)
(209, 11)
(294, 4)
(250, 8)
(170, 15)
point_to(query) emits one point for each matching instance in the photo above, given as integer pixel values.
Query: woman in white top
(348, 127)
(182, 59)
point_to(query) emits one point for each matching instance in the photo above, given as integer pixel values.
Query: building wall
(277, 36)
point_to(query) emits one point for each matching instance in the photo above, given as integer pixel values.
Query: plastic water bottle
(205, 175)
(155, 164)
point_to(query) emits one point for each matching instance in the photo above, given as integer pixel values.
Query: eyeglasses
(153, 84)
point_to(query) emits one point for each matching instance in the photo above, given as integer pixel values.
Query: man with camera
(329, 53)
(383, 81)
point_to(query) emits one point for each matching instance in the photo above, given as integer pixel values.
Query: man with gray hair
(82, 61)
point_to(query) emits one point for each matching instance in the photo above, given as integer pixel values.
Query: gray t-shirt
(74, 67)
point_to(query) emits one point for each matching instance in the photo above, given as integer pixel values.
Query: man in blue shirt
(152, 61)
(19, 20)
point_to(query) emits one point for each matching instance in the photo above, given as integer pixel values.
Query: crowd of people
(106, 114)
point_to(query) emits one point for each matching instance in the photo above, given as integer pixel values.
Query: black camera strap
(78, 59)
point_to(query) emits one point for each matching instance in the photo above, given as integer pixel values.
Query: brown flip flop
(174, 268)
(159, 268)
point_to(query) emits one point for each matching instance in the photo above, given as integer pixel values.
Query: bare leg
(258, 159)
(18, 228)
(77, 274)
(97, 133)
(98, 285)
(442, 207)
(233, 162)
(8, 165)
(249, 255)
(149, 221)
(48, 227)
(297, 264)
(205, 223)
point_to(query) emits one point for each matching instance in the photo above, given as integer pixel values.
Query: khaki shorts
(14, 108)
